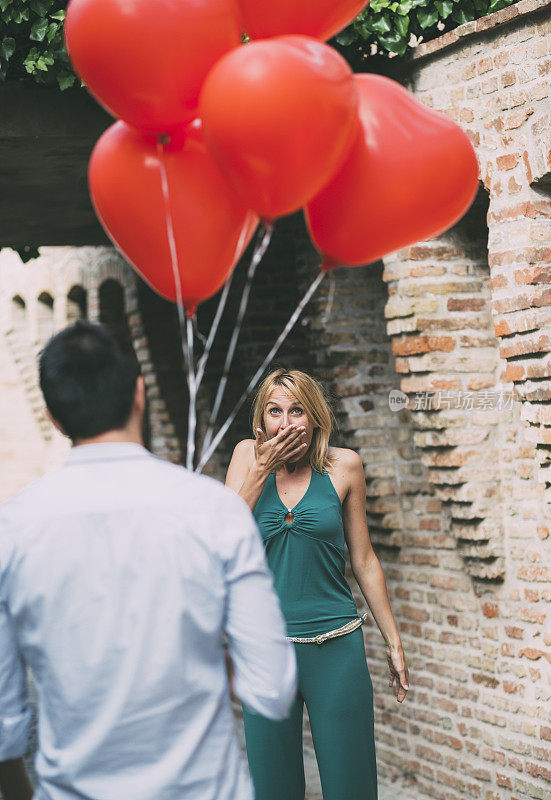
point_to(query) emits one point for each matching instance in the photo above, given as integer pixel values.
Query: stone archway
(19, 316)
(76, 304)
(45, 322)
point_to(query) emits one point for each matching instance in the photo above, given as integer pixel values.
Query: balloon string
(258, 254)
(186, 326)
(197, 332)
(213, 328)
(192, 413)
(205, 456)
(219, 311)
(330, 298)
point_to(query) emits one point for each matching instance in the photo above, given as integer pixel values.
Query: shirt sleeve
(15, 717)
(265, 672)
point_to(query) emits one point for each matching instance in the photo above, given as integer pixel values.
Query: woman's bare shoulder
(344, 458)
(345, 469)
(244, 451)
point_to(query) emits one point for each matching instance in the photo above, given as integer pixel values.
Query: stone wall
(37, 299)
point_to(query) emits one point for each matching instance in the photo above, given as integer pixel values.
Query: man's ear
(139, 394)
(55, 423)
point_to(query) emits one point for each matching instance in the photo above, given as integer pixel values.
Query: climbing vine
(389, 28)
(31, 42)
(32, 46)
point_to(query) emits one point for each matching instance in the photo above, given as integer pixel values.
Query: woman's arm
(369, 574)
(244, 475)
(254, 459)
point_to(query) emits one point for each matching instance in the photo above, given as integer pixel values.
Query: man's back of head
(88, 379)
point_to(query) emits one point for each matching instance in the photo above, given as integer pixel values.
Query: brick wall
(468, 323)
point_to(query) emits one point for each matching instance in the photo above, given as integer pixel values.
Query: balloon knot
(328, 263)
(164, 138)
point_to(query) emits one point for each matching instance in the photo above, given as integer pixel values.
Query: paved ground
(313, 787)
(313, 790)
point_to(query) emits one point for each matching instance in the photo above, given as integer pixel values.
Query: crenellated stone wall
(36, 300)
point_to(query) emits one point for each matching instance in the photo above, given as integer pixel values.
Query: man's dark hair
(88, 379)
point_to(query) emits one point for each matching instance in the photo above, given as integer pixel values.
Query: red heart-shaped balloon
(279, 117)
(411, 174)
(211, 225)
(146, 60)
(318, 18)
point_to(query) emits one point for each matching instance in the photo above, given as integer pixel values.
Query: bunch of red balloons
(254, 130)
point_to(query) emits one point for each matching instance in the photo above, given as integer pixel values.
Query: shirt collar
(106, 451)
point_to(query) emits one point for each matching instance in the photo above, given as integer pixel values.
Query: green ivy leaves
(38, 30)
(388, 27)
(31, 33)
(31, 42)
(444, 8)
(427, 17)
(7, 48)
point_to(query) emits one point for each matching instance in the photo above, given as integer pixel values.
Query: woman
(309, 499)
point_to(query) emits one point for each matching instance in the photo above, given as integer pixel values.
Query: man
(119, 575)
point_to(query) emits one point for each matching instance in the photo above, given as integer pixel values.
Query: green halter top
(306, 556)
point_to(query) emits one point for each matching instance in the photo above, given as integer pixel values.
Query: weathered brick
(533, 573)
(498, 282)
(504, 781)
(522, 301)
(484, 65)
(534, 654)
(490, 85)
(537, 770)
(434, 252)
(528, 167)
(508, 78)
(422, 344)
(533, 275)
(466, 303)
(540, 91)
(469, 72)
(403, 307)
(508, 161)
(528, 344)
(516, 118)
(452, 323)
(490, 609)
(524, 210)
(518, 322)
(501, 59)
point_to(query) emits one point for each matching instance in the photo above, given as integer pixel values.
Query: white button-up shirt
(119, 574)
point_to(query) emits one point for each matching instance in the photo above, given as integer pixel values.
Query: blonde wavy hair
(311, 396)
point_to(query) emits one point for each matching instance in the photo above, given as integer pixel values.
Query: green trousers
(334, 683)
